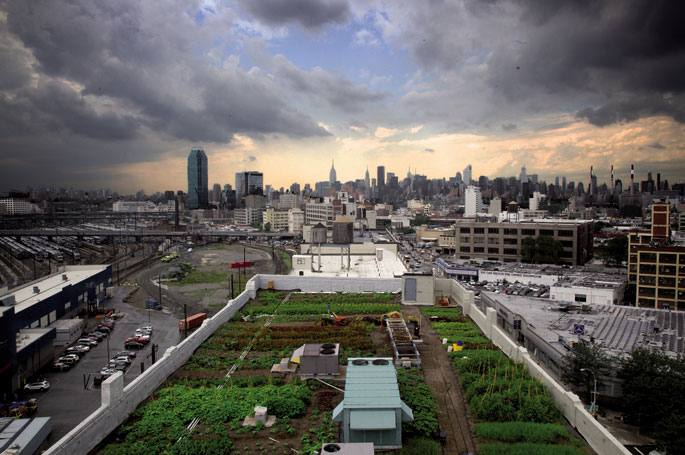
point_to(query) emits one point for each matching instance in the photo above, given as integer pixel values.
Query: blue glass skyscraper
(197, 180)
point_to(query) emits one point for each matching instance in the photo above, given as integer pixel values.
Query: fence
(119, 402)
(569, 404)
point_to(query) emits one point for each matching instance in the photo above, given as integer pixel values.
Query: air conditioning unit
(64, 277)
(8, 300)
(36, 290)
(350, 448)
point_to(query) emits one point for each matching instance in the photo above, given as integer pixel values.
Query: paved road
(67, 402)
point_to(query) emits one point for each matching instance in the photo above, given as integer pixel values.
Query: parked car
(38, 386)
(119, 366)
(87, 341)
(122, 358)
(103, 329)
(131, 343)
(61, 366)
(147, 329)
(139, 339)
(74, 350)
(107, 371)
(69, 358)
(129, 354)
(82, 348)
(99, 335)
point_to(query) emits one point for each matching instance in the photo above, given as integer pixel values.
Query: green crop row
(303, 308)
(158, 425)
(417, 395)
(515, 413)
(444, 314)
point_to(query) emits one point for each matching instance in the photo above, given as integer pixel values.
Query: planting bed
(303, 409)
(513, 412)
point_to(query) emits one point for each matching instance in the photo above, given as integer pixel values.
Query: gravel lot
(67, 402)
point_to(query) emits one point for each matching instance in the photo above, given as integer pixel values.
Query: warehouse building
(28, 315)
(371, 410)
(502, 241)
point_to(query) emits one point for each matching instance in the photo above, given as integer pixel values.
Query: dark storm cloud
(633, 109)
(311, 14)
(141, 56)
(551, 55)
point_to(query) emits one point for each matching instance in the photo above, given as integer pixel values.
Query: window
(511, 251)
(465, 230)
(528, 232)
(478, 249)
(493, 250)
(511, 241)
(509, 231)
(493, 230)
(479, 230)
(465, 249)
(581, 298)
(547, 232)
(479, 240)
(564, 233)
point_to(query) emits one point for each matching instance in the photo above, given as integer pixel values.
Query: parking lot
(67, 401)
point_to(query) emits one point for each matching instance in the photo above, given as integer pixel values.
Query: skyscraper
(523, 176)
(332, 175)
(367, 180)
(197, 180)
(248, 182)
(468, 171)
(473, 203)
(380, 180)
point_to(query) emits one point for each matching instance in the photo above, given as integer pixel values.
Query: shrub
(522, 432)
(528, 449)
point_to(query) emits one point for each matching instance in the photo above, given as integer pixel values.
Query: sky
(96, 93)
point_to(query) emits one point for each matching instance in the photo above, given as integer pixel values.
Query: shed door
(410, 289)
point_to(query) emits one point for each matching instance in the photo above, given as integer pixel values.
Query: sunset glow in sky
(114, 94)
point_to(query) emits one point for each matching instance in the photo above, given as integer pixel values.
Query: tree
(589, 357)
(420, 220)
(616, 251)
(528, 249)
(267, 227)
(653, 389)
(548, 250)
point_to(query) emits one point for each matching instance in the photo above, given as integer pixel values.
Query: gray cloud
(141, 56)
(509, 126)
(311, 14)
(633, 109)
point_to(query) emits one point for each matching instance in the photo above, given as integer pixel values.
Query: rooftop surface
(53, 284)
(619, 329)
(361, 266)
(371, 385)
(26, 337)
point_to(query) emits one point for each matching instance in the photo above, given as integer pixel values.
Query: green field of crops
(199, 389)
(514, 413)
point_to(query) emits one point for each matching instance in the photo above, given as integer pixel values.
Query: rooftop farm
(199, 411)
(513, 413)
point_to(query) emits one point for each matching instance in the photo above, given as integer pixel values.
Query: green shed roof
(372, 385)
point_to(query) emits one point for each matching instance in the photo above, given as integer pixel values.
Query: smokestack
(632, 178)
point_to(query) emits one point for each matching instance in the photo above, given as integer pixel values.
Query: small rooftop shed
(371, 410)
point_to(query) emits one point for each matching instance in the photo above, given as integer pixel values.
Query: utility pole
(185, 321)
(159, 286)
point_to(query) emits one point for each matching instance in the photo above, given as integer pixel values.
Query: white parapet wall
(598, 437)
(117, 404)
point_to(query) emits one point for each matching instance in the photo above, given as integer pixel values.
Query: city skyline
(282, 90)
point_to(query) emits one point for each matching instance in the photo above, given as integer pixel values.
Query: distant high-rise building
(248, 182)
(295, 188)
(468, 174)
(367, 180)
(380, 180)
(473, 203)
(197, 180)
(563, 184)
(523, 175)
(332, 175)
(216, 193)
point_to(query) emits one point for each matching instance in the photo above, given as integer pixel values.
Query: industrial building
(276, 219)
(549, 328)
(28, 316)
(502, 241)
(372, 410)
(656, 266)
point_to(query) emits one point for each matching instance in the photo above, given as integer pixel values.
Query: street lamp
(593, 405)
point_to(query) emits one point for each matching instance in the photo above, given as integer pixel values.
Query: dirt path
(441, 378)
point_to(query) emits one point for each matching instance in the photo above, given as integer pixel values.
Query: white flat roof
(53, 284)
(361, 266)
(26, 337)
